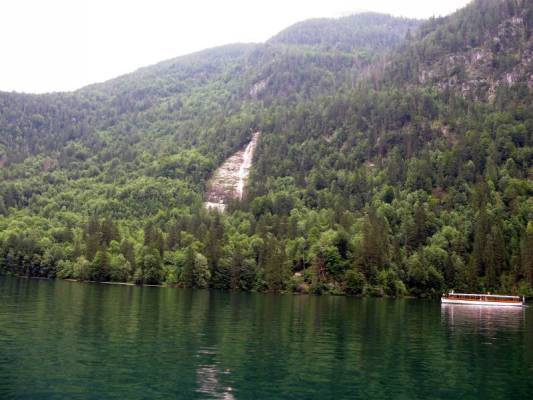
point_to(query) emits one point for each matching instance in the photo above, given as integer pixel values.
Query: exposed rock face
(230, 179)
(258, 88)
(503, 58)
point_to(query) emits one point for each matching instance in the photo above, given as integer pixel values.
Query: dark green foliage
(100, 266)
(152, 272)
(527, 253)
(355, 282)
(375, 247)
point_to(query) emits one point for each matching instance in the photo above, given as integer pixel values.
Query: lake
(69, 340)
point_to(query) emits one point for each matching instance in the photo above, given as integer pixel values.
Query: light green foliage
(201, 272)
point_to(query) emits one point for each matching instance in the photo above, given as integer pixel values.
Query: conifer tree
(375, 245)
(189, 266)
(93, 237)
(100, 266)
(526, 254)
(109, 232)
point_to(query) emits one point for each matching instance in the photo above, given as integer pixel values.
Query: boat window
(488, 298)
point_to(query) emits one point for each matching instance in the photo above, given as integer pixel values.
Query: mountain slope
(373, 174)
(486, 45)
(370, 33)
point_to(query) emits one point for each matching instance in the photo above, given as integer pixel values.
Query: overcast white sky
(58, 45)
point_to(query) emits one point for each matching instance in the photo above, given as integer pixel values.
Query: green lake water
(68, 340)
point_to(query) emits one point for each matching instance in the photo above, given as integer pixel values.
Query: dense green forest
(395, 158)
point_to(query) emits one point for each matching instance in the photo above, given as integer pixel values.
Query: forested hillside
(395, 158)
(371, 34)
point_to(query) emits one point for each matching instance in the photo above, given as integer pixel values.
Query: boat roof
(500, 296)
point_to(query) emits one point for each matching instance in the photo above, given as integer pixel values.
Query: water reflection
(74, 341)
(209, 383)
(209, 378)
(483, 319)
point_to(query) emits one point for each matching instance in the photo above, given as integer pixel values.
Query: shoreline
(284, 292)
(106, 282)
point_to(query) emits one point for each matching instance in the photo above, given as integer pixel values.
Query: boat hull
(482, 303)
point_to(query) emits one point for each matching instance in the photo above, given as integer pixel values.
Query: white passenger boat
(482, 299)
